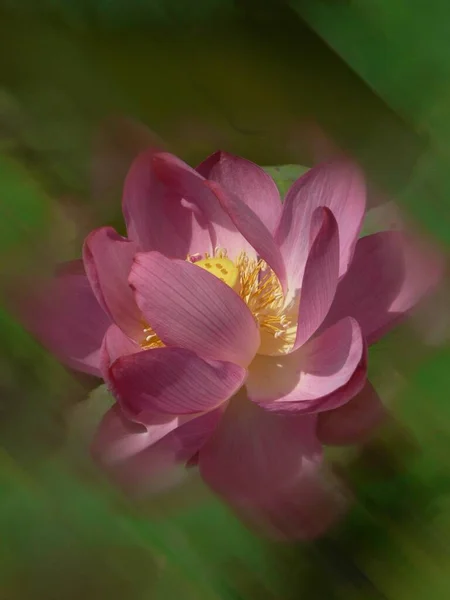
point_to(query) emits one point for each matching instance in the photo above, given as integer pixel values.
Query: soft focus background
(84, 85)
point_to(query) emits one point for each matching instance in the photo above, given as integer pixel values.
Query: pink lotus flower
(232, 329)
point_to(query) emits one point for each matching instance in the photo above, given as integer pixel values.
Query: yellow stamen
(261, 290)
(151, 339)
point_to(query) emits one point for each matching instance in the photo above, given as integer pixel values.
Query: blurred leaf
(382, 217)
(25, 208)
(85, 416)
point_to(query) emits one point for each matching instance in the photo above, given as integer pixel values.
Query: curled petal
(320, 277)
(305, 381)
(108, 258)
(236, 225)
(340, 187)
(190, 308)
(172, 381)
(349, 390)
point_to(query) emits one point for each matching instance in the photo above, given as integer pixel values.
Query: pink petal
(389, 274)
(304, 380)
(187, 182)
(136, 456)
(157, 217)
(252, 228)
(108, 258)
(340, 187)
(172, 381)
(349, 390)
(320, 277)
(251, 184)
(266, 466)
(66, 317)
(115, 344)
(190, 308)
(354, 422)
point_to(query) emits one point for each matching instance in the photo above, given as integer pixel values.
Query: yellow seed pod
(224, 269)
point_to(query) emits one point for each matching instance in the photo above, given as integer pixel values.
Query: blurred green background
(252, 78)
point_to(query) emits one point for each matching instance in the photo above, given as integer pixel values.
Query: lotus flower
(232, 329)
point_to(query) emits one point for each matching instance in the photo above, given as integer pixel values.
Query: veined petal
(187, 182)
(138, 457)
(305, 380)
(267, 467)
(108, 258)
(157, 218)
(320, 278)
(172, 381)
(246, 180)
(66, 317)
(354, 422)
(190, 308)
(389, 274)
(338, 186)
(253, 230)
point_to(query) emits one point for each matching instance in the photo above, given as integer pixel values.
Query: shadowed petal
(190, 308)
(66, 317)
(354, 422)
(389, 274)
(172, 381)
(115, 344)
(138, 458)
(267, 467)
(108, 258)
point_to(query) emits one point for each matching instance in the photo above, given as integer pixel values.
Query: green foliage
(285, 175)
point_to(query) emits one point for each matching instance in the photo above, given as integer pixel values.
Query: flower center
(151, 339)
(261, 291)
(259, 287)
(224, 269)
